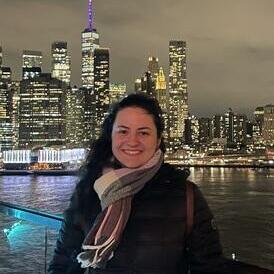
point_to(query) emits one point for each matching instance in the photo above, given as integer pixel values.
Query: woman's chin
(131, 164)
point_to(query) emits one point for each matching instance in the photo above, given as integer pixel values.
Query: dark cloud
(230, 43)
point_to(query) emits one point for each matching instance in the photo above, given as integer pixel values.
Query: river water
(242, 201)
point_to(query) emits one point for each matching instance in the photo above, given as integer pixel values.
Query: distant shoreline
(40, 172)
(74, 172)
(228, 166)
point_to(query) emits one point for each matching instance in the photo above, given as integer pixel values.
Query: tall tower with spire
(90, 41)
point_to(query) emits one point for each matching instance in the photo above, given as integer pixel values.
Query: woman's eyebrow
(141, 128)
(122, 126)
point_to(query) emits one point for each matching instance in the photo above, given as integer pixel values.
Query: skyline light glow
(230, 46)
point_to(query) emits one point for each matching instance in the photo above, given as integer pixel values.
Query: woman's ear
(159, 142)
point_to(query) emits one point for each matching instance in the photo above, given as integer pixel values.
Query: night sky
(230, 44)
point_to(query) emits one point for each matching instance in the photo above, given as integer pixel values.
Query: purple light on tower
(90, 14)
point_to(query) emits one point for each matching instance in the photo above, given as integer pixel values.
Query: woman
(127, 213)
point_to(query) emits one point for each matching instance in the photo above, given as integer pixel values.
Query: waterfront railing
(30, 236)
(27, 238)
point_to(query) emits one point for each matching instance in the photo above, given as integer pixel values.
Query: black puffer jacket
(153, 241)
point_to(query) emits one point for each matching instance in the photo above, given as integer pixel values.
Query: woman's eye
(122, 131)
(144, 133)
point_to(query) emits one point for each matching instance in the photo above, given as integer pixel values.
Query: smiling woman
(128, 211)
(134, 137)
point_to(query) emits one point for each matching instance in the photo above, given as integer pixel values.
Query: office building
(153, 66)
(258, 115)
(147, 84)
(240, 129)
(218, 126)
(138, 85)
(205, 132)
(15, 93)
(117, 92)
(32, 64)
(90, 41)
(162, 96)
(191, 133)
(42, 112)
(7, 138)
(178, 94)
(6, 75)
(60, 61)
(90, 118)
(148, 80)
(229, 126)
(235, 128)
(268, 125)
(101, 85)
(8, 108)
(1, 57)
(161, 89)
(1, 61)
(75, 126)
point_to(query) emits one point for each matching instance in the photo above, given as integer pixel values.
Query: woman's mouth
(131, 152)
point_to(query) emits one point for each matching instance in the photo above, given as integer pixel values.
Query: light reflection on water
(243, 203)
(50, 193)
(241, 199)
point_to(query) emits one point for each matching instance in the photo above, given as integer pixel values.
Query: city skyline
(230, 50)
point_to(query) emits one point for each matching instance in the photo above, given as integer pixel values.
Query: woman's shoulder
(174, 173)
(171, 178)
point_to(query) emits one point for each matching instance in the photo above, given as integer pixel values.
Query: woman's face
(134, 137)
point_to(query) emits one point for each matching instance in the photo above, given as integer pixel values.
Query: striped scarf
(115, 190)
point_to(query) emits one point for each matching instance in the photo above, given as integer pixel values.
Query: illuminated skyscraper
(162, 96)
(138, 85)
(147, 84)
(1, 61)
(75, 127)
(15, 91)
(8, 108)
(89, 118)
(7, 140)
(268, 125)
(90, 41)
(240, 129)
(101, 85)
(42, 112)
(205, 131)
(6, 75)
(229, 119)
(1, 57)
(161, 89)
(235, 128)
(153, 66)
(32, 64)
(191, 134)
(60, 61)
(178, 94)
(117, 92)
(218, 126)
(258, 125)
(148, 80)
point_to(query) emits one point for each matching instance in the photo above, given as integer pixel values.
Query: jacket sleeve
(67, 247)
(204, 247)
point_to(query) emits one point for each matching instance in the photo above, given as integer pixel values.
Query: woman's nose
(133, 139)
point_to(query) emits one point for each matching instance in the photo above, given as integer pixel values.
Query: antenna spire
(90, 14)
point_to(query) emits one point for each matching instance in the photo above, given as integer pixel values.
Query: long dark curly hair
(100, 153)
